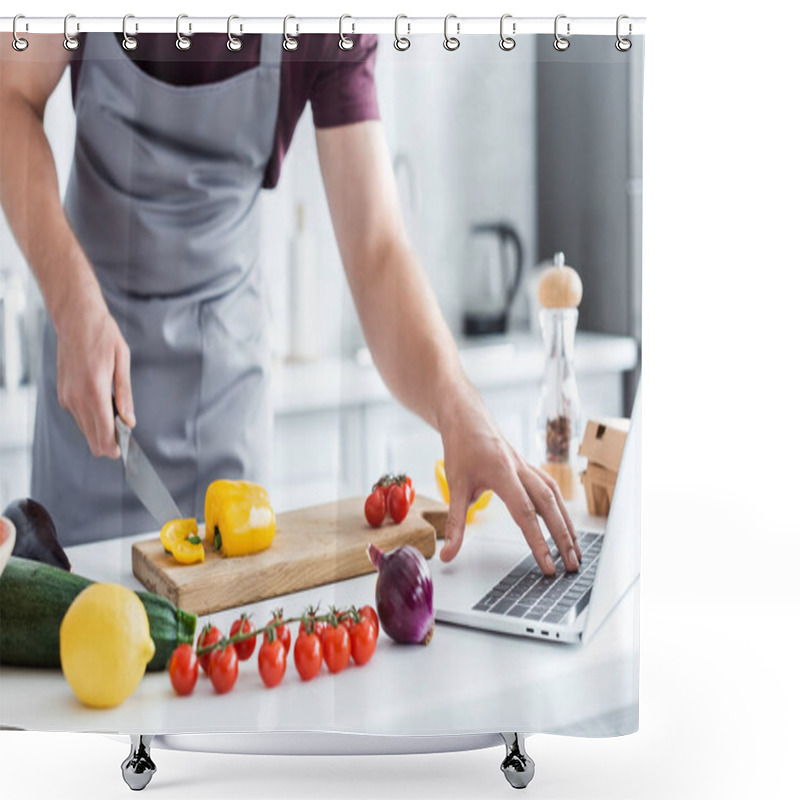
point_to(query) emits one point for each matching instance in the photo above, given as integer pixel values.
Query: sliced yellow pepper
(444, 490)
(239, 518)
(180, 538)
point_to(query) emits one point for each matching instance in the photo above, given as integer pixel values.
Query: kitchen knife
(143, 478)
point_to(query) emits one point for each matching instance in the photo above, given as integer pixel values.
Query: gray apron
(163, 198)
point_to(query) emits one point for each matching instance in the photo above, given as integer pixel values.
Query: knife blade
(142, 477)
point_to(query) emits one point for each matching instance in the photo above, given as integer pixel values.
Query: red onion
(403, 594)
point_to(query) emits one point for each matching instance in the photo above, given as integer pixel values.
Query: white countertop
(464, 681)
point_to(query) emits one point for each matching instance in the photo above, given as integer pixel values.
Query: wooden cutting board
(312, 546)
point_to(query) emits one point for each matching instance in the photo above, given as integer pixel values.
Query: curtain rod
(408, 26)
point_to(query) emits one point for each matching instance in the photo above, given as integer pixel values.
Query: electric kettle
(495, 271)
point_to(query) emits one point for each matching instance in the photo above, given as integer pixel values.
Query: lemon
(105, 644)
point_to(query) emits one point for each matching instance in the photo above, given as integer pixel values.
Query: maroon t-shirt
(340, 84)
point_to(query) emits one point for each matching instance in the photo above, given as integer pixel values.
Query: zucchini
(34, 598)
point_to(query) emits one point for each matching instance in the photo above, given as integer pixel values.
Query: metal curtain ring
(129, 42)
(289, 43)
(623, 45)
(18, 43)
(401, 43)
(507, 42)
(345, 42)
(70, 42)
(182, 43)
(560, 43)
(233, 44)
(451, 43)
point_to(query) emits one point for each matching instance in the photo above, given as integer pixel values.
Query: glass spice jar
(558, 420)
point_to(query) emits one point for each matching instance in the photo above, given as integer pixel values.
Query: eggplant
(36, 534)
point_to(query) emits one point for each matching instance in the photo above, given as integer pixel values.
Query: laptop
(495, 584)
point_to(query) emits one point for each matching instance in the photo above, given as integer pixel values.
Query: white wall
(464, 122)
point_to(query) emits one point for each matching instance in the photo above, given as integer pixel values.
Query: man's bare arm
(91, 352)
(414, 350)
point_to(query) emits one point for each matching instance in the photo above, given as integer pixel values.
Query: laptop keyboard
(528, 594)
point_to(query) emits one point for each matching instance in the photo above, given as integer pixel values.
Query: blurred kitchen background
(490, 148)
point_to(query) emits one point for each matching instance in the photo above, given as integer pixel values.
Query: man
(149, 272)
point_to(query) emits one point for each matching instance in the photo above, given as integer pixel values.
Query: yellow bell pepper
(444, 490)
(180, 538)
(239, 518)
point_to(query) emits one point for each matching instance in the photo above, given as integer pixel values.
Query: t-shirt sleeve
(343, 91)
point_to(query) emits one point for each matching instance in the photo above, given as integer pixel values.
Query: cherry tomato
(224, 669)
(272, 662)
(183, 669)
(307, 655)
(364, 638)
(208, 636)
(245, 648)
(375, 508)
(336, 648)
(345, 619)
(370, 613)
(282, 634)
(410, 489)
(318, 628)
(398, 503)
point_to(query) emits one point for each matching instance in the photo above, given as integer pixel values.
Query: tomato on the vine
(344, 619)
(307, 655)
(336, 648)
(370, 613)
(410, 491)
(183, 669)
(398, 502)
(245, 648)
(282, 633)
(317, 627)
(210, 635)
(224, 669)
(364, 639)
(375, 507)
(272, 662)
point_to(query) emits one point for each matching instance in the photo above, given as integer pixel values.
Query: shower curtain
(360, 299)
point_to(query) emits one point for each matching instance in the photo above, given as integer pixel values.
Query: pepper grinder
(558, 413)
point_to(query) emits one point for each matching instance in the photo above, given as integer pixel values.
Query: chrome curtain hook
(507, 42)
(233, 44)
(623, 45)
(70, 42)
(182, 43)
(345, 42)
(401, 43)
(451, 43)
(289, 43)
(129, 42)
(18, 43)
(560, 43)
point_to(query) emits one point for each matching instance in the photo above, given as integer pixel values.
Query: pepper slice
(239, 518)
(444, 490)
(180, 538)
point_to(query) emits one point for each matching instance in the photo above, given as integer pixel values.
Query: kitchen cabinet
(337, 428)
